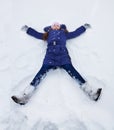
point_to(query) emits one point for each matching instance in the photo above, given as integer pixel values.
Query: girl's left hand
(86, 25)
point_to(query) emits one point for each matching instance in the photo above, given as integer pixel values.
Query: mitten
(86, 25)
(24, 28)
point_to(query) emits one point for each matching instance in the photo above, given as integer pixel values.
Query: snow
(59, 103)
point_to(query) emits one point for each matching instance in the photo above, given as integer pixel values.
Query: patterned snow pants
(68, 67)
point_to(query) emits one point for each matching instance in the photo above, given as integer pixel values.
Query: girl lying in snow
(56, 56)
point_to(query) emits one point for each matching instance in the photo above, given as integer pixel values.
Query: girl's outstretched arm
(78, 31)
(32, 32)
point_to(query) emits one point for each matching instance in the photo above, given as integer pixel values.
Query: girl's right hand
(24, 28)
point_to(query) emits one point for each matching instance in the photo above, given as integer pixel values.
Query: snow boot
(24, 97)
(94, 94)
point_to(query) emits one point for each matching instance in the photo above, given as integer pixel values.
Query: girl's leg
(40, 75)
(24, 97)
(93, 94)
(73, 73)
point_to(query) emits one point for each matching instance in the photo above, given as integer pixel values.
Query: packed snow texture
(59, 103)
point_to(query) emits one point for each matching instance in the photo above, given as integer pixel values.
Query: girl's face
(55, 26)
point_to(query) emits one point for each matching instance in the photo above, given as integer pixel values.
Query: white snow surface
(59, 103)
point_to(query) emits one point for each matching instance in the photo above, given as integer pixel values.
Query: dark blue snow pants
(68, 67)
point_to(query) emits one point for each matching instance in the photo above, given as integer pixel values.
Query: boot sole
(99, 94)
(16, 100)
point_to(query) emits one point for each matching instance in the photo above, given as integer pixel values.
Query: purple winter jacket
(57, 53)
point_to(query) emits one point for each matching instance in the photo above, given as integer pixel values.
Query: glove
(86, 25)
(24, 28)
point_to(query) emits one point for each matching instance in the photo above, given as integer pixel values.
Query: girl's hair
(45, 35)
